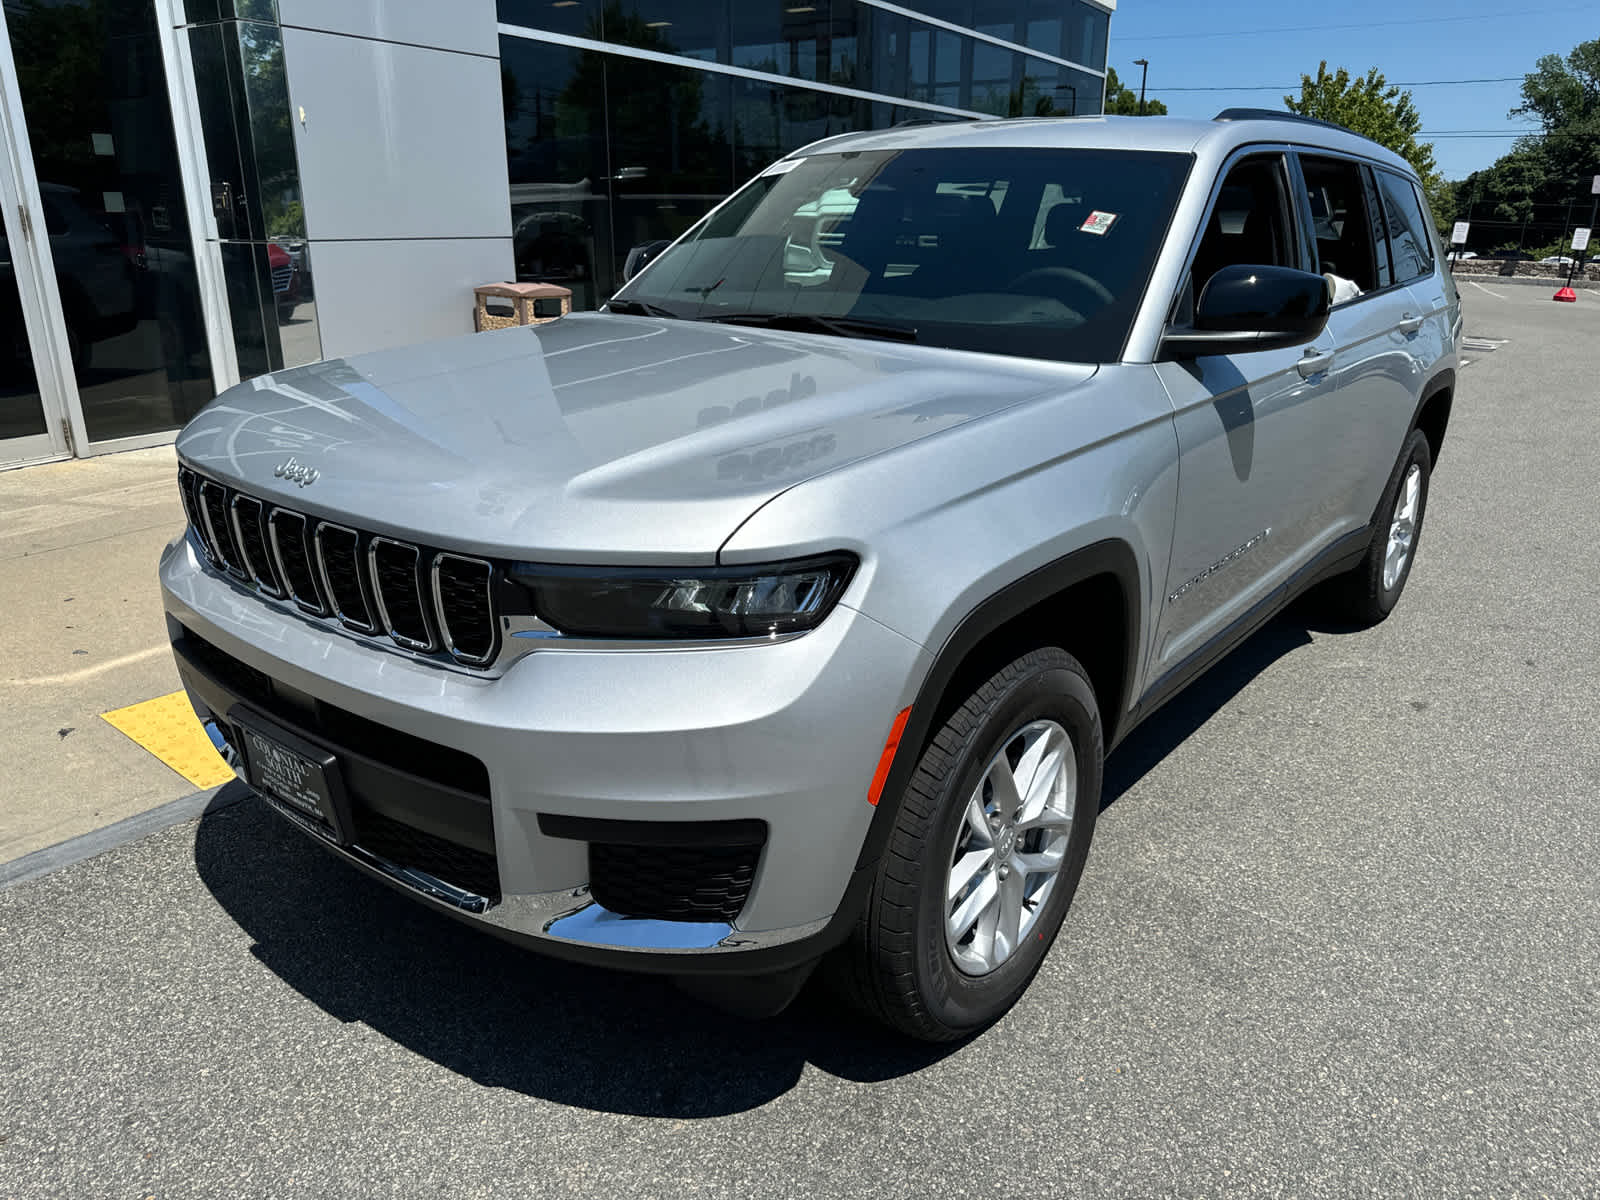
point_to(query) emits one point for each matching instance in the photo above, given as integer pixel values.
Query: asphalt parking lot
(1339, 935)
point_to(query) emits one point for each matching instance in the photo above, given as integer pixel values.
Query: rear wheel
(1369, 592)
(988, 846)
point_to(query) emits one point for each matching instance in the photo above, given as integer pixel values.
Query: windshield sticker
(783, 166)
(1099, 223)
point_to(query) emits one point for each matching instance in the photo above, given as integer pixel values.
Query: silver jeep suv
(785, 610)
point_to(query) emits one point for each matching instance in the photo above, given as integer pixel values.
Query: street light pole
(1143, 75)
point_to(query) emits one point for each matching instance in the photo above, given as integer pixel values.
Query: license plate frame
(299, 777)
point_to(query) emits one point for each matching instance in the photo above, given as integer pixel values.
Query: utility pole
(1143, 75)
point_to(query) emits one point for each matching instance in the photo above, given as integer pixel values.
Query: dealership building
(199, 192)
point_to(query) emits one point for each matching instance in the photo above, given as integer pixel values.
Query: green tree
(1529, 193)
(1373, 107)
(1122, 101)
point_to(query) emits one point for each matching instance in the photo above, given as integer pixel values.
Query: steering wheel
(1069, 275)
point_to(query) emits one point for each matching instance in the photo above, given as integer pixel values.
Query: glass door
(30, 392)
(24, 431)
(109, 218)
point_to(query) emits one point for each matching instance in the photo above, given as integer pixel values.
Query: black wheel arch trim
(1109, 557)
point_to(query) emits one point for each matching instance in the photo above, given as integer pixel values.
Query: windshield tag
(1099, 223)
(783, 166)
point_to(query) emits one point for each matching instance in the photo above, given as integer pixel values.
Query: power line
(1501, 14)
(1290, 87)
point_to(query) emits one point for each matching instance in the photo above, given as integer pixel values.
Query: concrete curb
(130, 829)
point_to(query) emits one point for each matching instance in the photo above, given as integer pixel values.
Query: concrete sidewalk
(82, 634)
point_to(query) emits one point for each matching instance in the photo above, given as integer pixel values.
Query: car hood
(595, 437)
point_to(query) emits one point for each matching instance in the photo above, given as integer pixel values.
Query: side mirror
(1253, 308)
(640, 257)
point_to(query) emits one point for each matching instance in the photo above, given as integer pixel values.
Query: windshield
(1042, 253)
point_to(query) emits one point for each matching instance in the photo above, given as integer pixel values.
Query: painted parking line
(168, 728)
(1481, 288)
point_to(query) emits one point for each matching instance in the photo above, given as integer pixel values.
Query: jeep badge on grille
(296, 473)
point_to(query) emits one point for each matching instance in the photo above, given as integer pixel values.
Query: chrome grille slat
(219, 528)
(250, 536)
(464, 601)
(187, 483)
(340, 563)
(295, 559)
(397, 587)
(435, 603)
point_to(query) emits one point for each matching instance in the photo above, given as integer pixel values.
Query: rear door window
(1342, 227)
(1410, 245)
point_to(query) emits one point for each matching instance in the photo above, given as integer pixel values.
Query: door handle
(1314, 362)
(1410, 323)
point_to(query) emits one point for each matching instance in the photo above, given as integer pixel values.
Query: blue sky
(1236, 43)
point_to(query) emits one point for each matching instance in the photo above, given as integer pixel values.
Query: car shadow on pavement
(1172, 724)
(507, 1017)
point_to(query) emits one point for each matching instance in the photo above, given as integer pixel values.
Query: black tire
(286, 312)
(1360, 596)
(898, 966)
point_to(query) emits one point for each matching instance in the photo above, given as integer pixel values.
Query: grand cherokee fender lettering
(1231, 556)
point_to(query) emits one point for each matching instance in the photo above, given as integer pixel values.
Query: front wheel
(986, 853)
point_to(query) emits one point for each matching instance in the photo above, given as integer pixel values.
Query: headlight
(691, 603)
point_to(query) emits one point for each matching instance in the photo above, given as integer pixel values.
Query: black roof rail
(1276, 114)
(951, 119)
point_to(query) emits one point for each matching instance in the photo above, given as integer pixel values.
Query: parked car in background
(1557, 260)
(286, 285)
(784, 612)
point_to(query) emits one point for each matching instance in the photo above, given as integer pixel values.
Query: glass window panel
(1341, 223)
(692, 28)
(559, 169)
(200, 11)
(786, 37)
(940, 241)
(1077, 93)
(95, 99)
(1045, 35)
(577, 18)
(947, 73)
(266, 93)
(1088, 28)
(255, 336)
(846, 44)
(991, 77)
(919, 63)
(958, 12)
(21, 407)
(1410, 246)
(294, 300)
(671, 152)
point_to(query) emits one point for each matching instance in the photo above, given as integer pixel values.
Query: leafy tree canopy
(1123, 101)
(1373, 107)
(1528, 191)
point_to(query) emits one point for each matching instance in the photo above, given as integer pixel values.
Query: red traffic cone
(1566, 295)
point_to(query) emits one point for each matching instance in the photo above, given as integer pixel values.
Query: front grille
(219, 530)
(293, 551)
(339, 553)
(405, 846)
(466, 610)
(428, 601)
(282, 277)
(249, 526)
(398, 587)
(672, 883)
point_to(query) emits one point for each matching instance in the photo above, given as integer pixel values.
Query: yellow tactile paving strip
(168, 728)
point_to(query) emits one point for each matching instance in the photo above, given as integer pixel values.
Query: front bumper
(786, 734)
